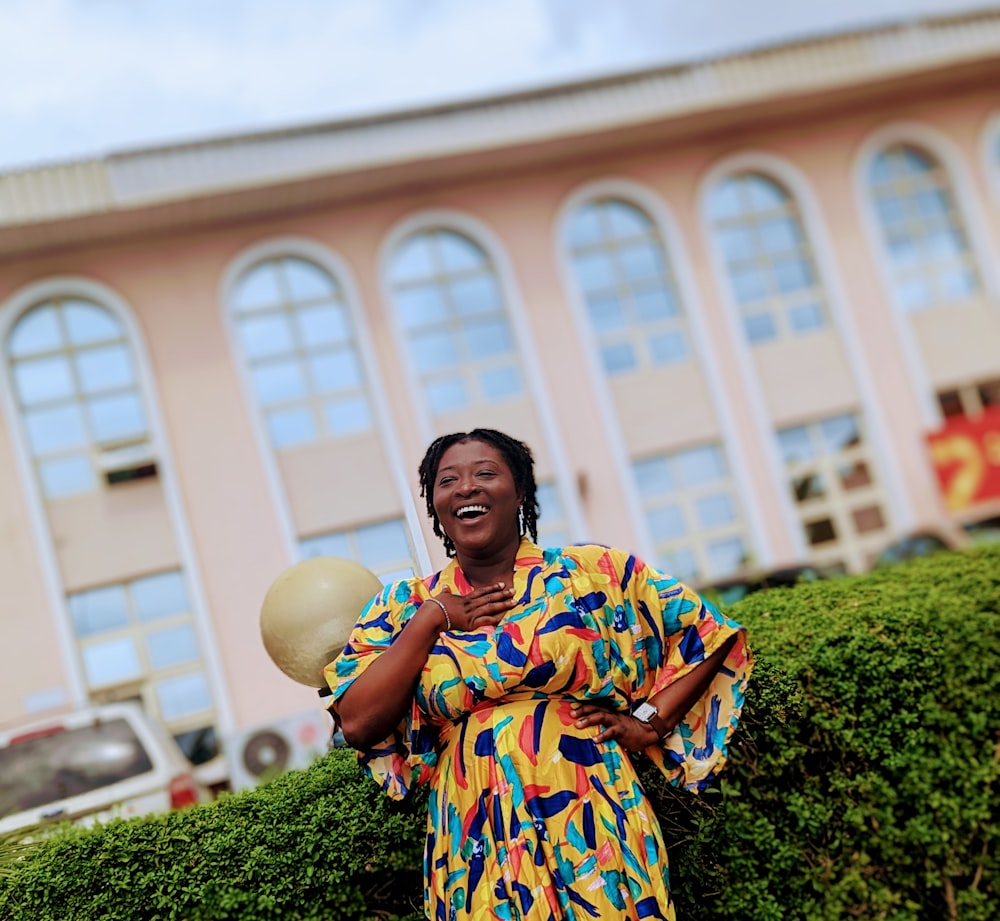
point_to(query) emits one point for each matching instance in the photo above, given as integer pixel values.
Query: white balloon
(309, 611)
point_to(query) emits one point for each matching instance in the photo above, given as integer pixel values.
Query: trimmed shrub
(863, 784)
(882, 801)
(312, 845)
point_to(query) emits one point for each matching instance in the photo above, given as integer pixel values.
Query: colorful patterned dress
(529, 817)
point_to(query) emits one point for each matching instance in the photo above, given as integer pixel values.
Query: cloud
(86, 76)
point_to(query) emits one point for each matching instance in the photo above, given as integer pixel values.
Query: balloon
(309, 611)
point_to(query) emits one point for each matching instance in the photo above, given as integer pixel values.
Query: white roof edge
(137, 178)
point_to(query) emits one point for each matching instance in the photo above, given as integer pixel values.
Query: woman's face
(475, 498)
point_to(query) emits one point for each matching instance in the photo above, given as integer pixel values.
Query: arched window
(924, 236)
(768, 257)
(384, 547)
(299, 344)
(450, 306)
(833, 478)
(74, 382)
(630, 294)
(74, 376)
(693, 512)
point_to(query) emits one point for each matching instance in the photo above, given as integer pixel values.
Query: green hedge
(862, 785)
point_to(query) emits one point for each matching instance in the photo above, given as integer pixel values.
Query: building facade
(726, 304)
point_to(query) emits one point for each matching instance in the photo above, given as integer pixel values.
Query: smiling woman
(517, 682)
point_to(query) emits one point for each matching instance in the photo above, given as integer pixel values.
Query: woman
(515, 681)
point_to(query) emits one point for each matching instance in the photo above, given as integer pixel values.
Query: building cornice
(178, 175)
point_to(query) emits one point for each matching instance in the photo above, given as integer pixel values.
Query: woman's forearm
(675, 700)
(378, 699)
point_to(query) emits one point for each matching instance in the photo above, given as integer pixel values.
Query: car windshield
(46, 767)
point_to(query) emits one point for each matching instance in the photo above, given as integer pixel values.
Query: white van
(92, 765)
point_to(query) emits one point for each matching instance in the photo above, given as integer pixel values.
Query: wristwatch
(648, 714)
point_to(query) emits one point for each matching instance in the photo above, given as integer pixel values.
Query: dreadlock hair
(518, 457)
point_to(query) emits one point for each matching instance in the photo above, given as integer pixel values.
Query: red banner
(966, 457)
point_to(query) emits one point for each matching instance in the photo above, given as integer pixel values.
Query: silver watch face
(644, 711)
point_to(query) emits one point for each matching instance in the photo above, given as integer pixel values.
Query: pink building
(725, 302)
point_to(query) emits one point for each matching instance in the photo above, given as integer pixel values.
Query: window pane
(805, 317)
(183, 695)
(458, 253)
(951, 403)
(959, 284)
(290, 427)
(435, 349)
(854, 476)
(37, 331)
(278, 382)
(724, 201)
(306, 281)
(666, 523)
(336, 371)
(106, 368)
(485, 340)
(269, 335)
(736, 243)
(43, 379)
(653, 478)
(764, 195)
(726, 556)
(172, 646)
(808, 487)
(420, 306)
(795, 444)
(258, 288)
(625, 220)
(87, 323)
(703, 464)
(475, 295)
(159, 595)
(760, 327)
(594, 271)
(666, 348)
(840, 432)
(655, 304)
(111, 662)
(868, 519)
(412, 260)
(348, 416)
(749, 284)
(326, 545)
(54, 429)
(779, 235)
(820, 531)
(585, 227)
(640, 262)
(715, 510)
(793, 274)
(98, 610)
(116, 418)
(325, 324)
(618, 357)
(382, 543)
(606, 314)
(681, 563)
(500, 383)
(67, 476)
(447, 395)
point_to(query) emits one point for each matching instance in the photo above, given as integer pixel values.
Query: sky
(84, 78)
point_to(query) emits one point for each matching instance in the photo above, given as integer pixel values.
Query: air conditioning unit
(262, 752)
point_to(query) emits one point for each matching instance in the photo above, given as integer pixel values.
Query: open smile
(469, 513)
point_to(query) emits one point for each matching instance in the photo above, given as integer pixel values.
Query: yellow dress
(529, 817)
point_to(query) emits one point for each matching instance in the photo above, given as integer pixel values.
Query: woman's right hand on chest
(482, 607)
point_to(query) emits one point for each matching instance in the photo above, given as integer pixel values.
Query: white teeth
(467, 510)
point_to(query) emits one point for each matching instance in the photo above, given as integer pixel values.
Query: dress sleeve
(408, 756)
(675, 632)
